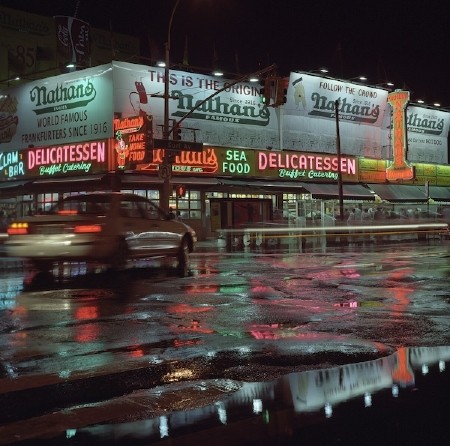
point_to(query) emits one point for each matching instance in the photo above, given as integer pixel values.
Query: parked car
(106, 227)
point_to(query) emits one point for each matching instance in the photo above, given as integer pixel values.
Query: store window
(151, 194)
(189, 206)
(45, 201)
(293, 205)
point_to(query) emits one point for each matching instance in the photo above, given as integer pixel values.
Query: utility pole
(165, 171)
(338, 150)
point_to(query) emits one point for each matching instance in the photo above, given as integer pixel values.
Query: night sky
(403, 41)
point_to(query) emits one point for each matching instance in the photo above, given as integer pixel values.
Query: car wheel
(183, 258)
(118, 261)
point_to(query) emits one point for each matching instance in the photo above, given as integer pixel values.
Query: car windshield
(83, 205)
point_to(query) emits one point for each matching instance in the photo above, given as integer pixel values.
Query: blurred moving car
(106, 227)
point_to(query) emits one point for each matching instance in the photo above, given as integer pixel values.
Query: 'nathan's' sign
(133, 140)
(359, 104)
(217, 110)
(325, 106)
(202, 163)
(62, 97)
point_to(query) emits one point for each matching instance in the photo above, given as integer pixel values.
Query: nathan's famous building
(242, 161)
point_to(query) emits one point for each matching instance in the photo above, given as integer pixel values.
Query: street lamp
(166, 167)
(322, 70)
(386, 85)
(358, 78)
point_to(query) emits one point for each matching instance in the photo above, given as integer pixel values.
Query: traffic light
(265, 91)
(180, 190)
(281, 92)
(177, 132)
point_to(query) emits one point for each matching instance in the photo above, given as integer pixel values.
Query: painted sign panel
(232, 117)
(428, 131)
(309, 116)
(58, 110)
(427, 134)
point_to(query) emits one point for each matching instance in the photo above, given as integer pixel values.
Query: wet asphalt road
(92, 349)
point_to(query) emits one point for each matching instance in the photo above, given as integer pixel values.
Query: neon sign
(284, 160)
(69, 159)
(66, 154)
(204, 162)
(247, 163)
(294, 165)
(133, 140)
(11, 164)
(399, 170)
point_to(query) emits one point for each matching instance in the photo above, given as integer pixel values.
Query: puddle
(400, 399)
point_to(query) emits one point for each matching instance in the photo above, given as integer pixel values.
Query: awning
(71, 180)
(400, 192)
(9, 189)
(331, 191)
(439, 193)
(193, 181)
(5, 185)
(131, 179)
(264, 184)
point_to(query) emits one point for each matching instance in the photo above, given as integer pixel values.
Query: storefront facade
(99, 129)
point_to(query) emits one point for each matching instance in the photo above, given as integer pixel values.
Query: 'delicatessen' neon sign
(295, 165)
(68, 159)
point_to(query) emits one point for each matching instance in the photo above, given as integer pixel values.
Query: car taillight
(67, 212)
(17, 228)
(87, 229)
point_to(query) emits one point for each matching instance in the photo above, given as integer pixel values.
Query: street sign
(178, 146)
(165, 171)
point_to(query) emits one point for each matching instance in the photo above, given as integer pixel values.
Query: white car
(106, 227)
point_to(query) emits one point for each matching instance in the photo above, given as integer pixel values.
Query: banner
(72, 41)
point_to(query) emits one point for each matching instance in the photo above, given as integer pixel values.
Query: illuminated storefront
(95, 130)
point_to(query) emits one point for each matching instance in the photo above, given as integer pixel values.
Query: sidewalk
(208, 245)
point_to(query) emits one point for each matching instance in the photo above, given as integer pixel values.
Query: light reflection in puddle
(299, 404)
